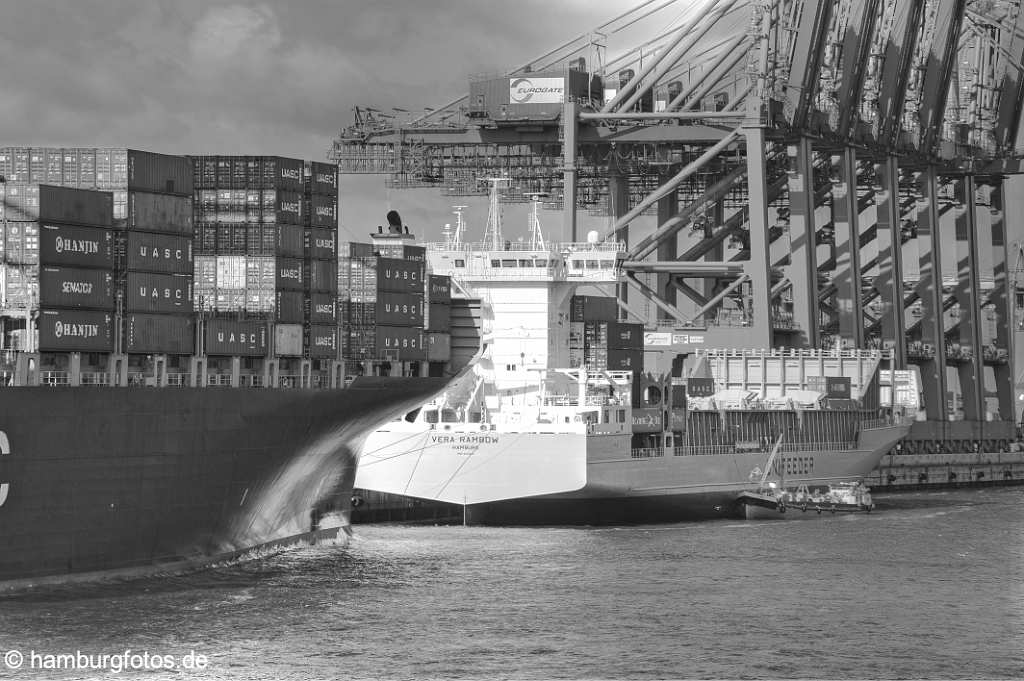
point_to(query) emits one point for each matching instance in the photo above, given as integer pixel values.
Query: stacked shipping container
(598, 341)
(438, 340)
(320, 244)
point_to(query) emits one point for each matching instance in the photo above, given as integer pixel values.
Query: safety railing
(95, 378)
(177, 380)
(54, 378)
(647, 453)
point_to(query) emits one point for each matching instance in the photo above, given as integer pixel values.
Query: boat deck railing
(712, 450)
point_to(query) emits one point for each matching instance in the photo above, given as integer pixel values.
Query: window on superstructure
(578, 264)
(526, 263)
(592, 264)
(459, 262)
(495, 263)
(508, 263)
(542, 262)
(606, 264)
(430, 416)
(621, 416)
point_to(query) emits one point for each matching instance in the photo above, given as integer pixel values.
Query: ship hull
(99, 479)
(598, 481)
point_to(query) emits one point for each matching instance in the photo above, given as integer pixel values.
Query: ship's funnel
(394, 222)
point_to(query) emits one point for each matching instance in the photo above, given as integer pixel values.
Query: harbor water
(931, 585)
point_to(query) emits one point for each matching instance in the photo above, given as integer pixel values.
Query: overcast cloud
(258, 77)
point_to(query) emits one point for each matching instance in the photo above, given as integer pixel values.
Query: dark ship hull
(97, 478)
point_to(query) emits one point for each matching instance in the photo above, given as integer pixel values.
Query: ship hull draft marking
(5, 449)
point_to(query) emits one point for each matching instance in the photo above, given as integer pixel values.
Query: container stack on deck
(438, 320)
(598, 341)
(320, 240)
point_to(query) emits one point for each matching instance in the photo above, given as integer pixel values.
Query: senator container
(160, 334)
(158, 293)
(236, 338)
(76, 246)
(400, 343)
(75, 206)
(158, 253)
(400, 309)
(165, 213)
(399, 275)
(322, 341)
(288, 340)
(76, 287)
(75, 331)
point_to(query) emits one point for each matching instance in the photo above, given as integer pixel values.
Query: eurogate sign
(536, 90)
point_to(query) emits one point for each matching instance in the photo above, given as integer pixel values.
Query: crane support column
(1001, 299)
(758, 268)
(929, 289)
(803, 267)
(570, 127)
(967, 291)
(847, 277)
(889, 282)
(618, 205)
(668, 248)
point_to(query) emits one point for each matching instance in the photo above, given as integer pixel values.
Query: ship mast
(536, 236)
(455, 240)
(493, 238)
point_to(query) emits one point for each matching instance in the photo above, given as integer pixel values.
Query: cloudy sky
(251, 77)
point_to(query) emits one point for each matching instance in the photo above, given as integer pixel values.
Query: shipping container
(625, 360)
(323, 178)
(321, 244)
(76, 246)
(21, 286)
(289, 275)
(164, 213)
(439, 291)
(533, 97)
(400, 309)
(236, 338)
(322, 275)
(353, 249)
(648, 420)
(322, 341)
(624, 336)
(289, 241)
(323, 308)
(19, 243)
(593, 309)
(288, 340)
(438, 346)
(160, 173)
(75, 331)
(323, 211)
(75, 206)
(159, 293)
(403, 344)
(289, 307)
(282, 173)
(438, 317)
(76, 287)
(399, 275)
(700, 386)
(160, 334)
(146, 252)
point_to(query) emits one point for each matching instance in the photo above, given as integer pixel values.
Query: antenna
(493, 237)
(460, 228)
(536, 236)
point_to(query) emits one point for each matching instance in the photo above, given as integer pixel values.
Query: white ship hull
(563, 478)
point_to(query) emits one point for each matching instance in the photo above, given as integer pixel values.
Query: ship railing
(177, 380)
(289, 381)
(136, 378)
(250, 381)
(6, 377)
(319, 381)
(95, 378)
(786, 448)
(218, 380)
(54, 378)
(646, 452)
(886, 422)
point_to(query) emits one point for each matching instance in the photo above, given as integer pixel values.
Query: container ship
(570, 415)
(189, 357)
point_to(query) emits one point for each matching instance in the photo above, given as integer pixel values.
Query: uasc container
(321, 244)
(323, 178)
(76, 287)
(323, 308)
(323, 211)
(158, 253)
(160, 334)
(75, 331)
(322, 341)
(159, 293)
(399, 275)
(159, 173)
(400, 343)
(289, 274)
(231, 337)
(323, 275)
(289, 241)
(400, 309)
(76, 246)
